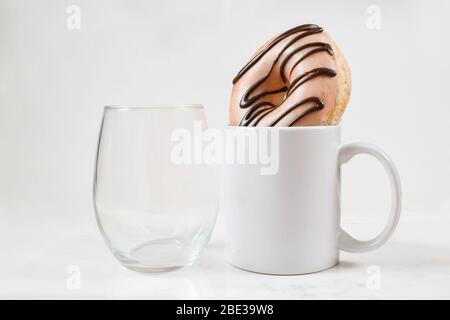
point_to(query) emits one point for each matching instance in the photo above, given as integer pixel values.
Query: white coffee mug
(283, 216)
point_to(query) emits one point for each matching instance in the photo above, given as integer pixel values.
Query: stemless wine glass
(154, 212)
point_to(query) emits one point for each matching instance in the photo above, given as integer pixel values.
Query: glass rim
(195, 106)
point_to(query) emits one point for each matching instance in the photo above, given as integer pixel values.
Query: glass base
(146, 269)
(156, 256)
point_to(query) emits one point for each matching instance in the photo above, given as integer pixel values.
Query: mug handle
(346, 241)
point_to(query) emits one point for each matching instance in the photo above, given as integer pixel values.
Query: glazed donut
(297, 78)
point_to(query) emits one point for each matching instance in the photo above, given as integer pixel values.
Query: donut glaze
(298, 78)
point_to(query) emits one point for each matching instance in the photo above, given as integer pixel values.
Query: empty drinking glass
(154, 211)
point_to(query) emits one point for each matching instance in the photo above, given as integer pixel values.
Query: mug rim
(299, 128)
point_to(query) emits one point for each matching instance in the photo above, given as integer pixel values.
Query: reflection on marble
(414, 264)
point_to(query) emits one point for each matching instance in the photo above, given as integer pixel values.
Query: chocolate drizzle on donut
(257, 107)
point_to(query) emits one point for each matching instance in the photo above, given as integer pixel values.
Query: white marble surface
(36, 257)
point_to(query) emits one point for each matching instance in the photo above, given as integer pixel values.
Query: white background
(55, 81)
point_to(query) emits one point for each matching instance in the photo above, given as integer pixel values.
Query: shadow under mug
(282, 216)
